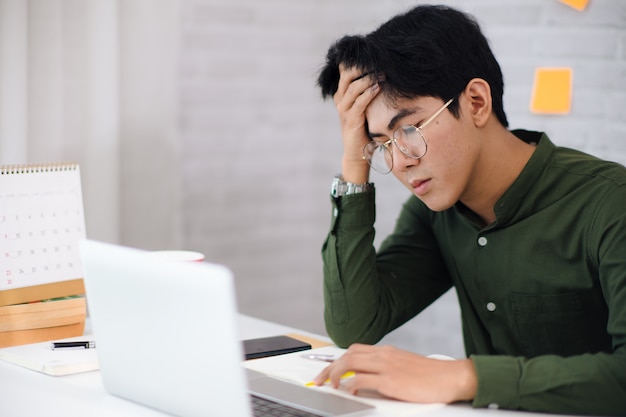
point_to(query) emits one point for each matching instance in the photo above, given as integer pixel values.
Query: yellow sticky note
(576, 4)
(552, 91)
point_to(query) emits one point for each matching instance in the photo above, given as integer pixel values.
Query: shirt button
(335, 212)
(491, 306)
(482, 241)
(493, 406)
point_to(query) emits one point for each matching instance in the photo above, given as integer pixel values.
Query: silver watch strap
(340, 187)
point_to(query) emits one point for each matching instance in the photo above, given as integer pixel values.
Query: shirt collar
(513, 204)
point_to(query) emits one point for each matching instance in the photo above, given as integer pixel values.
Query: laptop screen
(166, 331)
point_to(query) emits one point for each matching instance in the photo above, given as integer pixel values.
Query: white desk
(26, 393)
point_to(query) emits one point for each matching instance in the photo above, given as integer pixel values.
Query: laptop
(167, 337)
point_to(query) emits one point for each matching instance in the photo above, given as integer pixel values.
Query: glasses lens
(378, 155)
(410, 141)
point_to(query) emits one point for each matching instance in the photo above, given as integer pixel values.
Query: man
(532, 236)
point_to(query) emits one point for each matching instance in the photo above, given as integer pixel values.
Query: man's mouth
(420, 186)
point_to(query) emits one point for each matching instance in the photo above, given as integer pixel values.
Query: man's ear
(478, 95)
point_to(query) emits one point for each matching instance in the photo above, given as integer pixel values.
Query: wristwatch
(340, 187)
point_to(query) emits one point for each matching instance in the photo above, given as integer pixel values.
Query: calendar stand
(41, 223)
(42, 312)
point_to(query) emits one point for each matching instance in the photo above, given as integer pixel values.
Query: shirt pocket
(550, 324)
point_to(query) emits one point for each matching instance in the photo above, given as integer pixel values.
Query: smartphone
(272, 346)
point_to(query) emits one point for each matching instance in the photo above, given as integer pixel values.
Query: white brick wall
(260, 147)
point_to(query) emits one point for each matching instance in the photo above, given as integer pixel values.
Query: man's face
(441, 177)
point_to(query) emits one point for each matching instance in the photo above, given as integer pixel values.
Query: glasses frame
(367, 155)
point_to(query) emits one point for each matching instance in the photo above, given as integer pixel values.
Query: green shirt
(542, 290)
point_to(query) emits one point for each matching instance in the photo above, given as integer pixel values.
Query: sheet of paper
(552, 91)
(40, 357)
(295, 368)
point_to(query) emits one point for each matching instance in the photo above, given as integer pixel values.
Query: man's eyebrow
(401, 114)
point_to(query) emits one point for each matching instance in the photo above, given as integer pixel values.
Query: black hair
(428, 51)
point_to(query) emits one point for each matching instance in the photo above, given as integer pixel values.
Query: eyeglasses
(408, 139)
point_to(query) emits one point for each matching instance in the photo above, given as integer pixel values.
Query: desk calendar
(41, 222)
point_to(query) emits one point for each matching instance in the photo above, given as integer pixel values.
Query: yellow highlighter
(344, 376)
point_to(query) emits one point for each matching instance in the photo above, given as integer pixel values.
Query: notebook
(167, 338)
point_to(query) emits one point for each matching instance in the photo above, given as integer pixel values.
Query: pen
(319, 357)
(88, 344)
(344, 376)
(324, 358)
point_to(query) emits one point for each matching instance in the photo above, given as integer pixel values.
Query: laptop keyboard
(262, 407)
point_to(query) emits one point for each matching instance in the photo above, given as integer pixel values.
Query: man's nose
(402, 162)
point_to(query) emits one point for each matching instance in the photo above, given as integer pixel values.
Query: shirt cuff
(354, 210)
(498, 380)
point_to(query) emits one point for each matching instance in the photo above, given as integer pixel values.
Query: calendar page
(41, 222)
